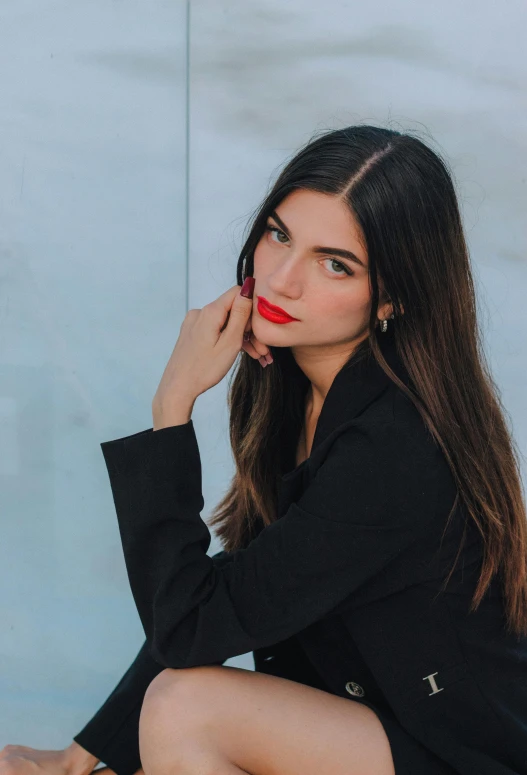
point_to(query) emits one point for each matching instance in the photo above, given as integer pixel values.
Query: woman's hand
(207, 346)
(22, 760)
(256, 349)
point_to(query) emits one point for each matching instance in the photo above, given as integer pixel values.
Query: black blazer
(356, 552)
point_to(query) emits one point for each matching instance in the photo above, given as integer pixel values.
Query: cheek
(352, 302)
(259, 257)
(265, 259)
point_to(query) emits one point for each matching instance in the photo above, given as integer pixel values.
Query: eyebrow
(318, 249)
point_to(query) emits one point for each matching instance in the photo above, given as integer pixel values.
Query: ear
(385, 311)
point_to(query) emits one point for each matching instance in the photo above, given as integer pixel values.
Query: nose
(286, 278)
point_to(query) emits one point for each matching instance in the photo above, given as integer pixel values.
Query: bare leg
(165, 756)
(220, 720)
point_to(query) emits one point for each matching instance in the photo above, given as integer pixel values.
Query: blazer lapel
(355, 386)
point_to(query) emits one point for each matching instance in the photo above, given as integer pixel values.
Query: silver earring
(243, 269)
(384, 324)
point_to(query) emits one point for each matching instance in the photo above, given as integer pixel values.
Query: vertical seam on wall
(187, 160)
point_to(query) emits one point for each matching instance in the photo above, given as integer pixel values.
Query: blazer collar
(359, 382)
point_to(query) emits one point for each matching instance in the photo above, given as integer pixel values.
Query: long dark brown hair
(401, 194)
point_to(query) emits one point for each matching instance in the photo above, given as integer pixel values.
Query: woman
(374, 533)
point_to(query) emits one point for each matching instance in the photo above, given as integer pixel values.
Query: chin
(273, 334)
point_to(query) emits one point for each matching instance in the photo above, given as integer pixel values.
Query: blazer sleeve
(370, 500)
(112, 734)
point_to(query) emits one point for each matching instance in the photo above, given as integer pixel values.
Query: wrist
(178, 413)
(78, 760)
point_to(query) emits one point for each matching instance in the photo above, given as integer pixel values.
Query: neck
(321, 367)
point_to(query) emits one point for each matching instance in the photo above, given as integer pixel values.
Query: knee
(174, 694)
(173, 683)
(171, 719)
(164, 683)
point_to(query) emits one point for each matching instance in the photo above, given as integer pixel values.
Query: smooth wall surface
(92, 291)
(95, 263)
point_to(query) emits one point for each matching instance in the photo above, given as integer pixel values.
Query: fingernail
(248, 287)
(269, 358)
(263, 362)
(246, 336)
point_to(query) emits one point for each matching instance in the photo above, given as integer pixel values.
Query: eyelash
(334, 260)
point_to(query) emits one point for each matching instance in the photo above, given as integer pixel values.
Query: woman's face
(329, 294)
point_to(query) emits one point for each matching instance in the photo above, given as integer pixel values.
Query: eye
(278, 231)
(334, 261)
(341, 265)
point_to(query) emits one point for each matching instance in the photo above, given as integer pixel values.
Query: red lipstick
(272, 312)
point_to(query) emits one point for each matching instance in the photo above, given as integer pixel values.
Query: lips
(272, 312)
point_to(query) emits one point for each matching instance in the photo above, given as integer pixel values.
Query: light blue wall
(92, 293)
(96, 253)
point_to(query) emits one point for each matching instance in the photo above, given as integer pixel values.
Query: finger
(224, 303)
(260, 347)
(264, 360)
(258, 350)
(250, 350)
(240, 312)
(221, 308)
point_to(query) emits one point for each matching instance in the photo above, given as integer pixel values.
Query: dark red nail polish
(247, 287)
